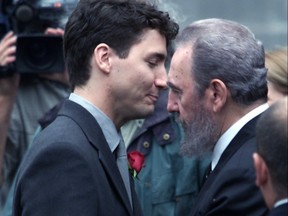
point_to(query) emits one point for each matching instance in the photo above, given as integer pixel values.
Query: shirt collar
(105, 123)
(281, 202)
(227, 137)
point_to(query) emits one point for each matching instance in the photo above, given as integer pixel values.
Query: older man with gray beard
(218, 87)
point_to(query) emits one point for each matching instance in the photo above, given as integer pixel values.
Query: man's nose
(172, 105)
(161, 78)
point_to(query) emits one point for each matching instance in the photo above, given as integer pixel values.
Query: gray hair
(226, 50)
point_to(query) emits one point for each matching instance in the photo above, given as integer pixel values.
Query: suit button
(146, 144)
(166, 136)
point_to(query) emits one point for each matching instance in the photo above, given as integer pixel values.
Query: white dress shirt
(281, 202)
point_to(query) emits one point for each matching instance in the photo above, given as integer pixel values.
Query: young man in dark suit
(115, 53)
(218, 87)
(271, 157)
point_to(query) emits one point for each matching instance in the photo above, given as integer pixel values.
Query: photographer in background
(23, 100)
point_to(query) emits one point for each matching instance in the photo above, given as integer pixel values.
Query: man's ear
(261, 170)
(102, 54)
(217, 92)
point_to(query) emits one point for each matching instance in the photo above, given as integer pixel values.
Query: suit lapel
(280, 210)
(96, 137)
(246, 133)
(136, 205)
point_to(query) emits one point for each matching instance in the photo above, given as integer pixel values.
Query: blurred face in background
(277, 75)
(274, 94)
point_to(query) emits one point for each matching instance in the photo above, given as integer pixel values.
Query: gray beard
(200, 135)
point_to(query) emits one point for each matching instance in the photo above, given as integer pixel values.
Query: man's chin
(198, 141)
(200, 132)
(146, 111)
(186, 149)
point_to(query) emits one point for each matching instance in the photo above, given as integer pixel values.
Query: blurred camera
(36, 52)
(39, 54)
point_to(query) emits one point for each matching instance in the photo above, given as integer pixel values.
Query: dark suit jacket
(230, 189)
(70, 170)
(281, 210)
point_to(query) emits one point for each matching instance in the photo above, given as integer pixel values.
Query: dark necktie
(122, 164)
(207, 173)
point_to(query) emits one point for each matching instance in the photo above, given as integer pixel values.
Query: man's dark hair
(119, 24)
(272, 137)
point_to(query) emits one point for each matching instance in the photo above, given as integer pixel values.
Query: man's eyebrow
(173, 87)
(159, 56)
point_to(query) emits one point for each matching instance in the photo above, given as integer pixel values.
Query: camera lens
(24, 13)
(39, 56)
